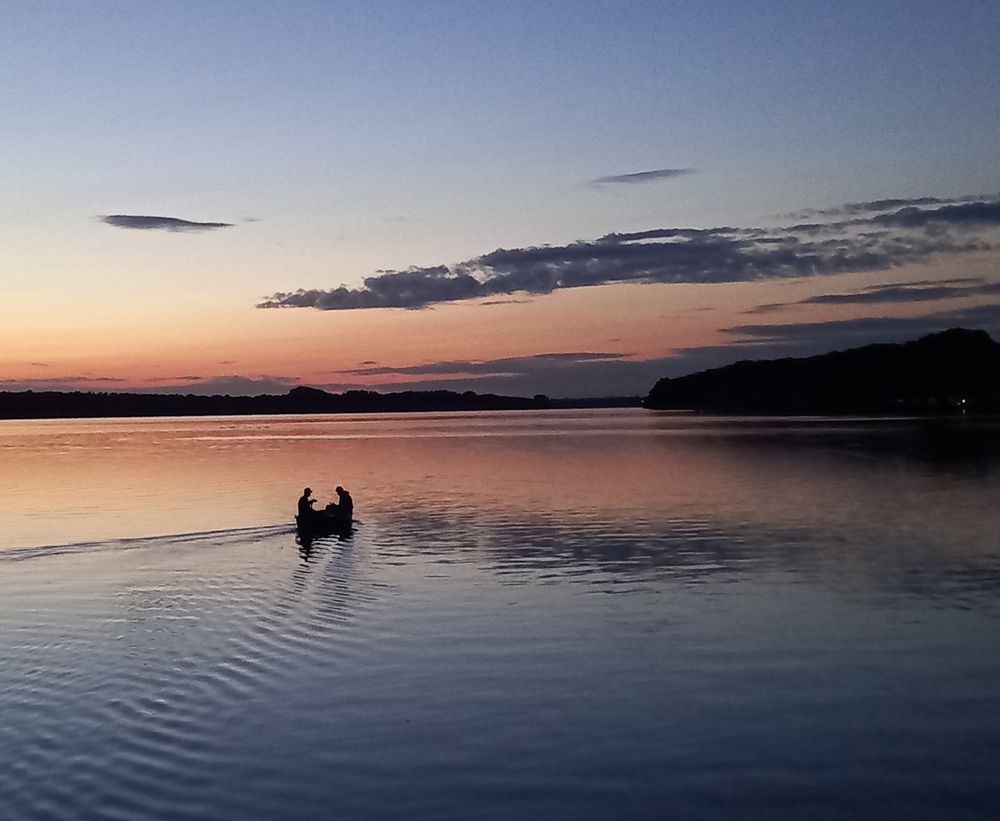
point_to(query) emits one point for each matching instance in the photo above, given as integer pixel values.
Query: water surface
(560, 614)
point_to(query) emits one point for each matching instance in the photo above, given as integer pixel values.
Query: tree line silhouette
(87, 404)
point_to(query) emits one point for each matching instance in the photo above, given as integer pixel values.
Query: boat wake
(209, 537)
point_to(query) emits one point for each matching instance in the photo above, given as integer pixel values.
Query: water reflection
(593, 615)
(306, 538)
(963, 446)
(583, 549)
(632, 495)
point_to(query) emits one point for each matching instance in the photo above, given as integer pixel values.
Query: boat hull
(321, 523)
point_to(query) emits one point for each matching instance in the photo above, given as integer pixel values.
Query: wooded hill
(957, 370)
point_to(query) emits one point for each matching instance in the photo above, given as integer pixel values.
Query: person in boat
(306, 505)
(344, 506)
(345, 503)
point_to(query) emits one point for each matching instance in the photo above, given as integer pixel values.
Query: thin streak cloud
(148, 223)
(508, 366)
(232, 384)
(59, 383)
(892, 204)
(639, 177)
(898, 292)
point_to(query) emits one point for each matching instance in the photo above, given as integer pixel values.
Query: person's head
(307, 491)
(339, 490)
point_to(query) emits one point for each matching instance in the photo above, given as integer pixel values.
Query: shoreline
(37, 405)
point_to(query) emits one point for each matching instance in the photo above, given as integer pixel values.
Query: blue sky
(338, 140)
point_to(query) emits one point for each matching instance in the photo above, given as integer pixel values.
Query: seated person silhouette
(305, 505)
(344, 507)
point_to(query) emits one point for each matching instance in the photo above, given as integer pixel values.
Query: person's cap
(307, 491)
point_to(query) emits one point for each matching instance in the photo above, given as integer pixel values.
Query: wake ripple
(141, 677)
(241, 534)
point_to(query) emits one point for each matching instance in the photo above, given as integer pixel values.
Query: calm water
(615, 614)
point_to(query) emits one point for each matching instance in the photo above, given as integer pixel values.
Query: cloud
(555, 374)
(232, 384)
(72, 382)
(675, 255)
(144, 223)
(899, 292)
(413, 288)
(508, 366)
(892, 204)
(880, 329)
(642, 176)
(970, 214)
(590, 373)
(873, 206)
(808, 338)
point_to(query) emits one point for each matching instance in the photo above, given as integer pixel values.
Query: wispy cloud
(557, 374)
(676, 255)
(71, 382)
(232, 384)
(639, 177)
(508, 366)
(147, 223)
(892, 204)
(986, 317)
(898, 292)
(807, 338)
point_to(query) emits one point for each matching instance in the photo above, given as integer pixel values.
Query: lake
(575, 614)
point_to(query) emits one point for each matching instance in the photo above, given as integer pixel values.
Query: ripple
(141, 681)
(243, 535)
(488, 664)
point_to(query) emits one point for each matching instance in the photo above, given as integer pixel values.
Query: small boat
(323, 523)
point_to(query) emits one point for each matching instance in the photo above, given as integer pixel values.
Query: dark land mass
(954, 371)
(80, 404)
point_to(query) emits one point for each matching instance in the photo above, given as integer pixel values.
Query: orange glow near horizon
(173, 343)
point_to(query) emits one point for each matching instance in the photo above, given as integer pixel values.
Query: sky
(570, 198)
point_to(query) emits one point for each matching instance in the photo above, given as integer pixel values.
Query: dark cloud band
(515, 365)
(897, 292)
(642, 176)
(676, 255)
(893, 204)
(145, 223)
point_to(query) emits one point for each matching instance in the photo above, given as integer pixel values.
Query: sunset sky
(571, 198)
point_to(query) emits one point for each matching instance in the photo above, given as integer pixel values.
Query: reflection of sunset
(117, 478)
